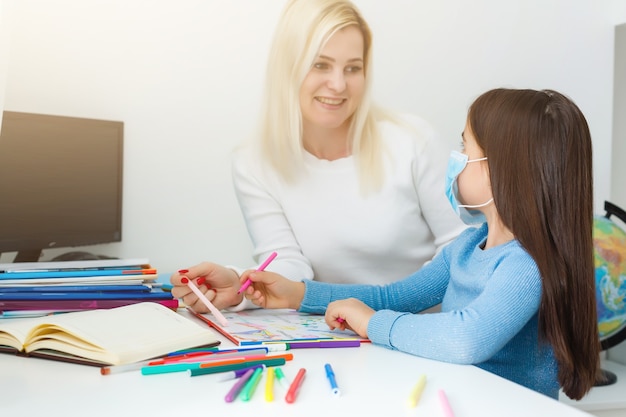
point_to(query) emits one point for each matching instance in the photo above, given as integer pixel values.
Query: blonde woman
(341, 190)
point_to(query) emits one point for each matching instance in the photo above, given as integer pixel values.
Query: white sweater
(323, 228)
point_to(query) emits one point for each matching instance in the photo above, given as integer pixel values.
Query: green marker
(280, 376)
(248, 390)
(235, 366)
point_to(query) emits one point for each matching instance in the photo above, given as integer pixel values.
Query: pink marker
(218, 314)
(445, 404)
(260, 268)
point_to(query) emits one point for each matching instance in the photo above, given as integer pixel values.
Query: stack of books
(40, 288)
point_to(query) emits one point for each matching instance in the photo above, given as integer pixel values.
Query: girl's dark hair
(539, 149)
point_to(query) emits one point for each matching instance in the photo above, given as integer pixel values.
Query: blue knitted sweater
(489, 305)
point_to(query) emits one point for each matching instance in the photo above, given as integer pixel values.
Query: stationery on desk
(80, 285)
(72, 272)
(298, 330)
(217, 313)
(416, 392)
(260, 268)
(30, 308)
(294, 388)
(135, 263)
(104, 337)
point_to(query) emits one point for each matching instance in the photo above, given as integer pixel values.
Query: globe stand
(605, 378)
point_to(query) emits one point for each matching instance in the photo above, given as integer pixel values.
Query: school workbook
(258, 326)
(114, 336)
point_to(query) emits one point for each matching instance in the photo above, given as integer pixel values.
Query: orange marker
(285, 356)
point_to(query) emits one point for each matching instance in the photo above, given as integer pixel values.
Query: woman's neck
(325, 143)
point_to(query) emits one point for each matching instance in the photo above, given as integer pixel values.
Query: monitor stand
(28, 255)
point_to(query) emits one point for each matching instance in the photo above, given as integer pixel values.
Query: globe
(610, 263)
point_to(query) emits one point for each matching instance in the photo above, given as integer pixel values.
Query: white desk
(608, 397)
(374, 382)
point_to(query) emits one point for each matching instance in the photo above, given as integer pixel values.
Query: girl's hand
(350, 314)
(271, 290)
(219, 284)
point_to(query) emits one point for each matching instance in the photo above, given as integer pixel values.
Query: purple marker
(238, 386)
(325, 344)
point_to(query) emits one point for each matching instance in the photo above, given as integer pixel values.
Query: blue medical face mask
(456, 164)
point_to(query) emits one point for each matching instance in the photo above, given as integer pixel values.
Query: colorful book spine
(80, 295)
(26, 274)
(70, 305)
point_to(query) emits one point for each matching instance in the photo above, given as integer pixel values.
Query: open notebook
(114, 336)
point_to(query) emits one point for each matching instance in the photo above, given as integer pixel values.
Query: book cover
(75, 288)
(69, 273)
(7, 307)
(135, 263)
(156, 294)
(79, 280)
(105, 337)
(250, 327)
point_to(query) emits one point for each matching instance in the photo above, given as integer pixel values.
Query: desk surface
(373, 381)
(608, 397)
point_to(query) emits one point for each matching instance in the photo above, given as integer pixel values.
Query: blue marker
(333, 382)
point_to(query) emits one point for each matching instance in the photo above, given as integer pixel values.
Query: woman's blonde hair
(302, 31)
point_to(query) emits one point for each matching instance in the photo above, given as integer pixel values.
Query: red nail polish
(201, 280)
(183, 271)
(184, 280)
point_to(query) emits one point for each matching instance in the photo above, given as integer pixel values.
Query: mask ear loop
(477, 205)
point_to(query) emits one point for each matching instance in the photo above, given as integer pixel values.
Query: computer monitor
(60, 183)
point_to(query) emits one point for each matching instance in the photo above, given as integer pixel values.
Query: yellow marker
(269, 385)
(416, 392)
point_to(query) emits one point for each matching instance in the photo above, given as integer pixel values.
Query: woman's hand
(219, 284)
(271, 290)
(350, 314)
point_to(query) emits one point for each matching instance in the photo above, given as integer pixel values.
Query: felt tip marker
(334, 389)
(226, 376)
(324, 344)
(416, 392)
(269, 385)
(250, 387)
(238, 386)
(218, 314)
(260, 268)
(276, 347)
(282, 380)
(445, 404)
(235, 366)
(294, 388)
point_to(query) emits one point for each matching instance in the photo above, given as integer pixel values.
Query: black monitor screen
(60, 182)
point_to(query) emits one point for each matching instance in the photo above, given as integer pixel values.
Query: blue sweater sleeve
(419, 291)
(493, 294)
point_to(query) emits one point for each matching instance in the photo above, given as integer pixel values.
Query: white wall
(618, 188)
(186, 78)
(618, 171)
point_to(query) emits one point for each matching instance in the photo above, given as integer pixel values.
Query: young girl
(517, 292)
